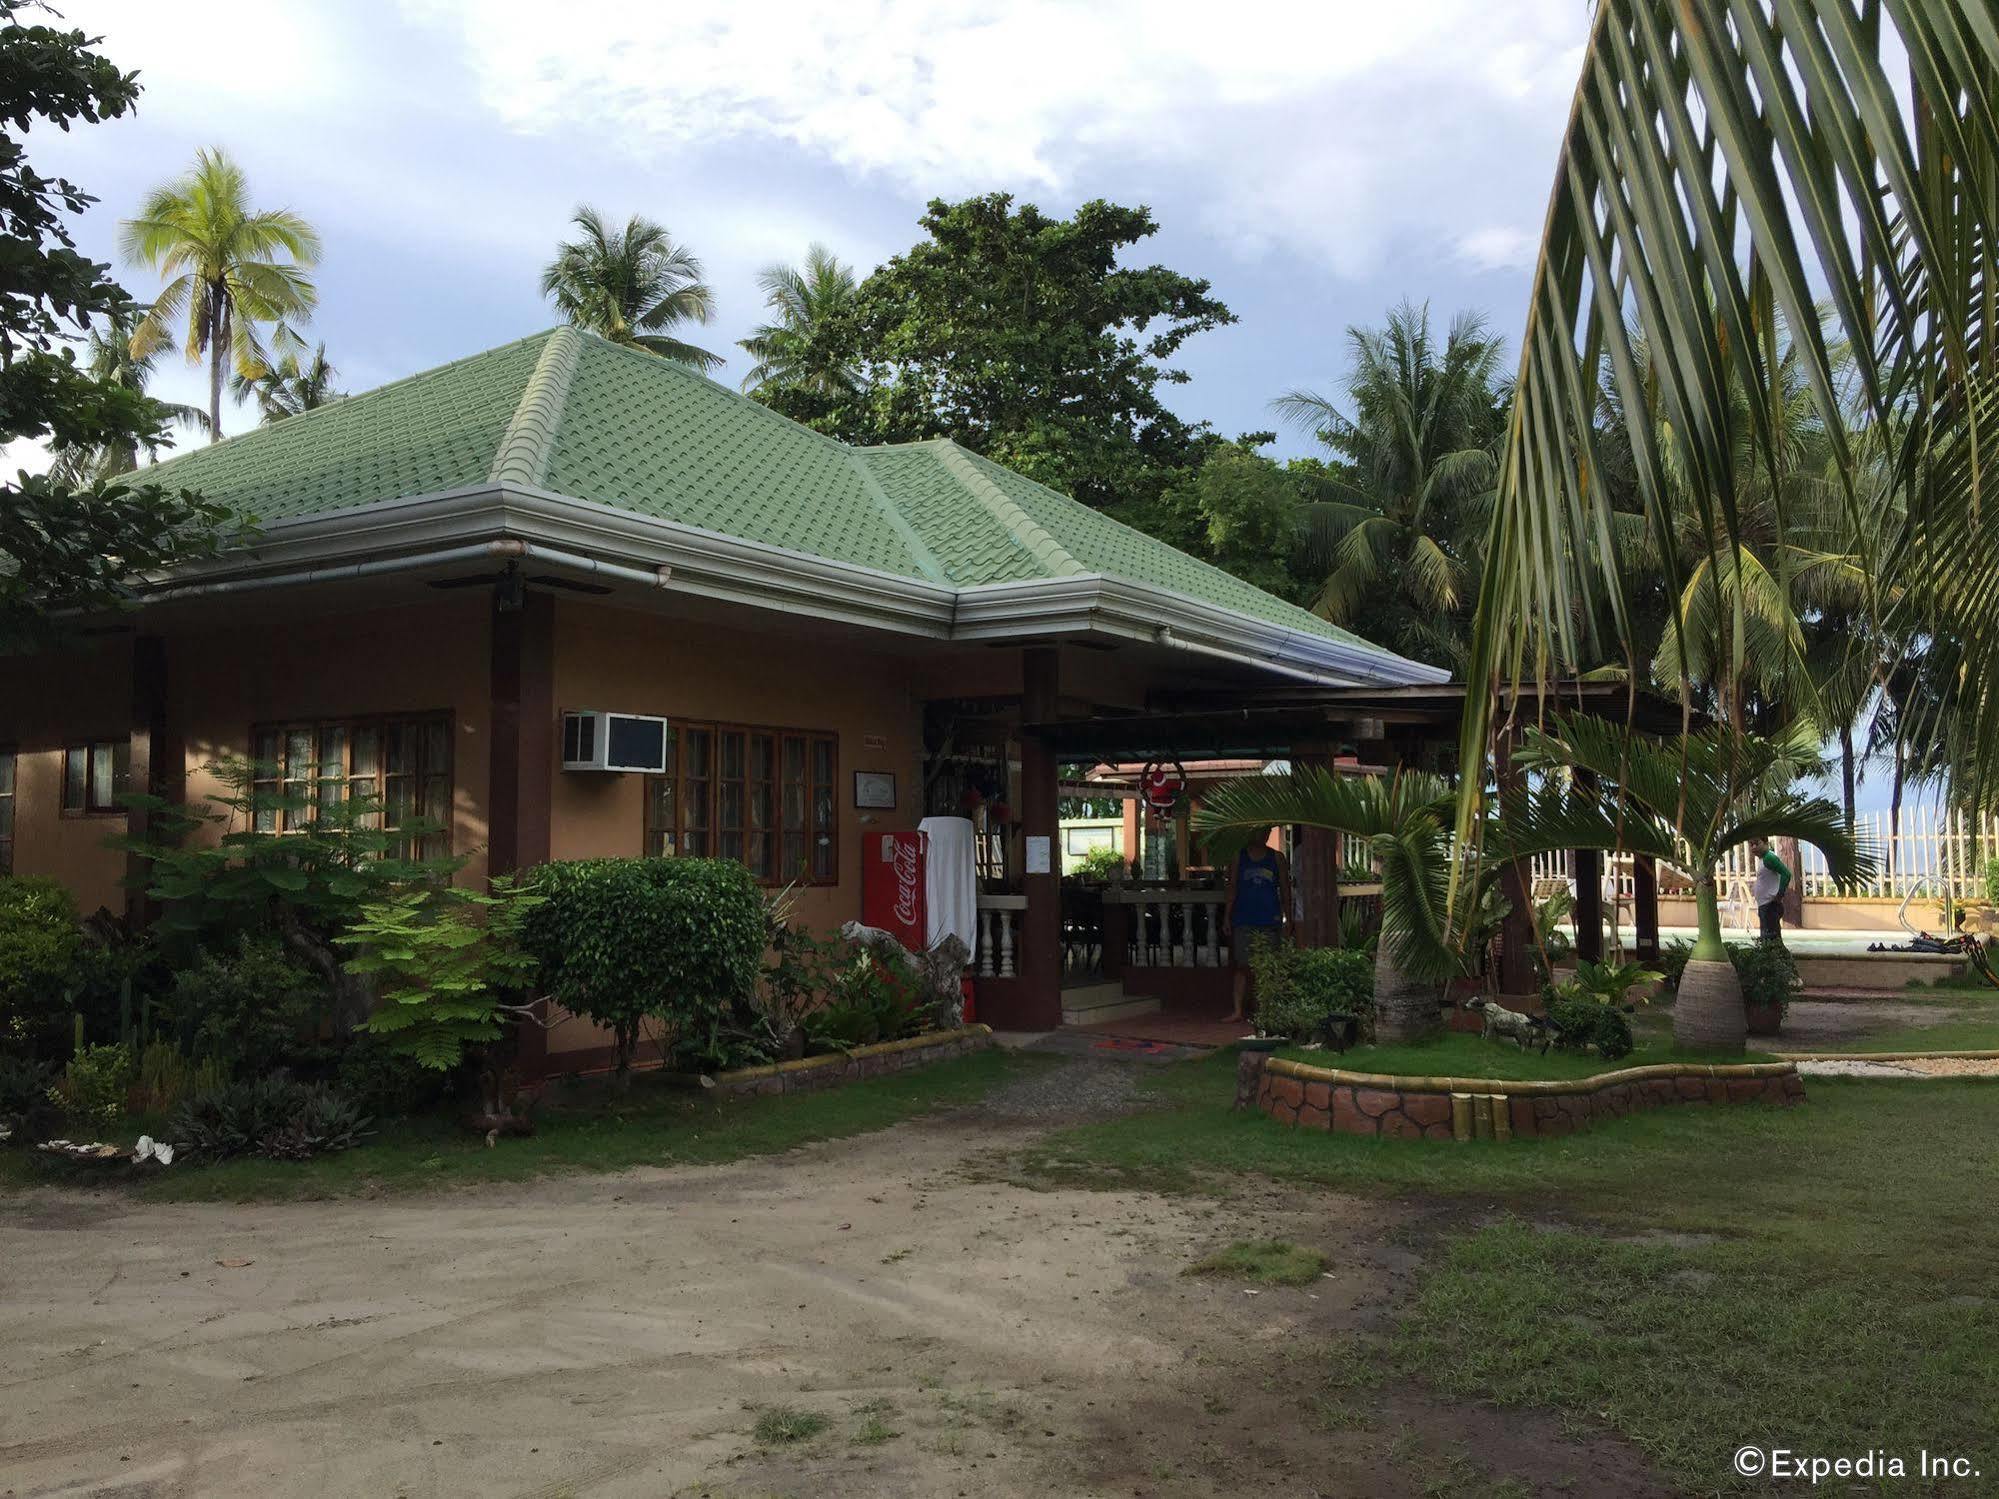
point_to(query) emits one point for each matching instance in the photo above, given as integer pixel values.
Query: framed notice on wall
(875, 789)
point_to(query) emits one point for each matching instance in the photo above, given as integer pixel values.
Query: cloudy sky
(1315, 161)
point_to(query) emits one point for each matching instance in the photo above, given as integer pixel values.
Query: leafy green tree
(1238, 510)
(229, 267)
(632, 285)
(69, 547)
(294, 385)
(806, 365)
(1397, 528)
(1022, 337)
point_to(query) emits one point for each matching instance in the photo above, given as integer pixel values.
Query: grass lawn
(1699, 1278)
(1465, 1054)
(588, 1129)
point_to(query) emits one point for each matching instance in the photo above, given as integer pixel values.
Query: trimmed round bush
(679, 942)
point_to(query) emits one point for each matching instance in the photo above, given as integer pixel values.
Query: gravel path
(1080, 1089)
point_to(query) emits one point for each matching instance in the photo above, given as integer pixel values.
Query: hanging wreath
(1162, 785)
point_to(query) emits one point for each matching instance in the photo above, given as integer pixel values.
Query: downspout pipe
(503, 550)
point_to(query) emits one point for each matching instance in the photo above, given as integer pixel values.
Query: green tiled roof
(569, 413)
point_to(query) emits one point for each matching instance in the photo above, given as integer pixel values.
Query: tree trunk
(218, 351)
(1405, 1009)
(1847, 778)
(1708, 1014)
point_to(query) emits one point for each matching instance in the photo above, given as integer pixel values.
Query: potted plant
(1768, 974)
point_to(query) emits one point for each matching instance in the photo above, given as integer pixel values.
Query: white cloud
(1333, 129)
(1498, 247)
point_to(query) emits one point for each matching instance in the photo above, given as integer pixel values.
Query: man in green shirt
(1773, 878)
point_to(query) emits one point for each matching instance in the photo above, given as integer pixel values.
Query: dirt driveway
(617, 1336)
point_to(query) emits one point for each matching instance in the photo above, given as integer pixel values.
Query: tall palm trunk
(1708, 1013)
(218, 353)
(1405, 1009)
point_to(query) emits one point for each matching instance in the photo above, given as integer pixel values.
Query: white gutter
(504, 549)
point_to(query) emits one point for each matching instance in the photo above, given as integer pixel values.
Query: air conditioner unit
(593, 740)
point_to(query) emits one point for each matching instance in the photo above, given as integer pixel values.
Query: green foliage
(1992, 881)
(1103, 862)
(1025, 339)
(1607, 985)
(1298, 987)
(244, 1005)
(870, 1002)
(165, 1078)
(65, 548)
(41, 953)
(384, 1082)
(1584, 1022)
(274, 1117)
(780, 1424)
(1673, 961)
(678, 942)
(312, 880)
(24, 1097)
(1239, 511)
(1768, 972)
(90, 1094)
(450, 965)
(1551, 936)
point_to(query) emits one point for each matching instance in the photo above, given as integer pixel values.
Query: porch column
(1516, 932)
(155, 763)
(521, 760)
(1588, 865)
(1645, 907)
(1038, 960)
(1128, 834)
(1315, 873)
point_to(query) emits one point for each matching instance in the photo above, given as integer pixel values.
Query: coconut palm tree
(1685, 801)
(1405, 503)
(291, 387)
(631, 286)
(1405, 819)
(108, 357)
(229, 269)
(1716, 176)
(806, 347)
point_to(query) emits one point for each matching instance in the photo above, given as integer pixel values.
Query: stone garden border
(809, 1074)
(1484, 1108)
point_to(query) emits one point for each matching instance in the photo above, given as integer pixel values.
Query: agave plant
(1684, 801)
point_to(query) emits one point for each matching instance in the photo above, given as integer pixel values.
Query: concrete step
(1096, 1002)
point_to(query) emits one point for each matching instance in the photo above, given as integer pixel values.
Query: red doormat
(1141, 1048)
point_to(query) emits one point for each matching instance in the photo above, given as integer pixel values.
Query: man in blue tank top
(1258, 908)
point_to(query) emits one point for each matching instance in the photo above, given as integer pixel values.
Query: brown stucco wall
(628, 662)
(420, 658)
(48, 702)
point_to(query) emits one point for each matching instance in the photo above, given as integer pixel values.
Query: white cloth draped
(950, 879)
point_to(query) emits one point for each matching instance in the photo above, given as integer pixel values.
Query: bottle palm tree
(806, 346)
(108, 357)
(229, 268)
(631, 286)
(293, 386)
(1684, 801)
(1405, 819)
(1397, 530)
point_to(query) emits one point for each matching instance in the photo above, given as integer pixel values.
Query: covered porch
(1056, 949)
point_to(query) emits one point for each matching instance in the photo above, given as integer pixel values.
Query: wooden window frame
(346, 779)
(9, 790)
(120, 751)
(745, 815)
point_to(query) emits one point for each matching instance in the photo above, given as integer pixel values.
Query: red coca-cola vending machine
(892, 882)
